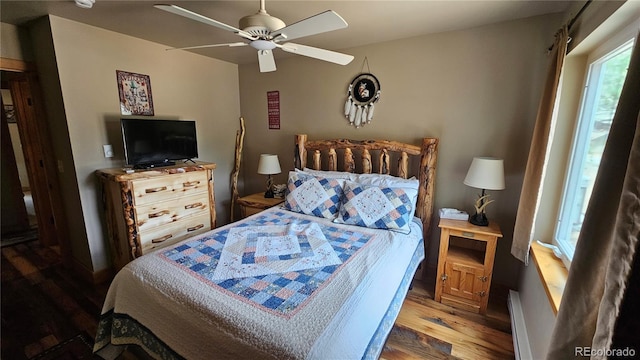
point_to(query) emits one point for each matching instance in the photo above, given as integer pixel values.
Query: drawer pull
(468, 234)
(159, 240)
(158, 189)
(190, 183)
(194, 228)
(194, 205)
(158, 214)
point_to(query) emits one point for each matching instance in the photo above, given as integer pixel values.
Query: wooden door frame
(39, 156)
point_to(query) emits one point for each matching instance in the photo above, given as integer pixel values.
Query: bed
(321, 277)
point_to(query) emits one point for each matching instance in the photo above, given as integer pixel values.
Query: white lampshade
(269, 164)
(486, 173)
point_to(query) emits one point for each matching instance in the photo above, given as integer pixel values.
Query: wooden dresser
(150, 209)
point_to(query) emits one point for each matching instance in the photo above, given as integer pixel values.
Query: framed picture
(10, 113)
(135, 93)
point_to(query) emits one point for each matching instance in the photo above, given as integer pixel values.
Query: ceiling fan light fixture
(85, 4)
(262, 45)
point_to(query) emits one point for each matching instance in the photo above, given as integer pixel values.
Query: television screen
(154, 142)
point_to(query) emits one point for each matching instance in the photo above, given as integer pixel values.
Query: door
(14, 211)
(39, 156)
(463, 281)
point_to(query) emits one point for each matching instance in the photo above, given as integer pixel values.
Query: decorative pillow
(313, 195)
(375, 207)
(410, 186)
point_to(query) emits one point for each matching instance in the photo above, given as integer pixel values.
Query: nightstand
(465, 264)
(255, 203)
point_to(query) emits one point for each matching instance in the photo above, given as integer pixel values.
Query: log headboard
(376, 156)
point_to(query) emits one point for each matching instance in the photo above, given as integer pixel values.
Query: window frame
(581, 130)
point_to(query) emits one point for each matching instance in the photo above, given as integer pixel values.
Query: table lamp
(269, 165)
(485, 173)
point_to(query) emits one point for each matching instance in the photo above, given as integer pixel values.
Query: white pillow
(329, 174)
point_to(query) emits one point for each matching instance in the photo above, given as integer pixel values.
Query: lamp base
(268, 194)
(479, 219)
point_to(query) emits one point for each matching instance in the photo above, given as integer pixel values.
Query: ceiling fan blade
(203, 19)
(317, 24)
(322, 54)
(208, 46)
(266, 61)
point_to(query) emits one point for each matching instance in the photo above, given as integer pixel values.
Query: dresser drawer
(167, 234)
(164, 212)
(162, 188)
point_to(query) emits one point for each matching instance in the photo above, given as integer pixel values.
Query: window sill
(552, 272)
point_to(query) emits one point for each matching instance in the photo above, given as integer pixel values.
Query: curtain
(598, 288)
(538, 152)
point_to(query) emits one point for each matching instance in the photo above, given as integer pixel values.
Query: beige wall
(184, 86)
(476, 90)
(14, 43)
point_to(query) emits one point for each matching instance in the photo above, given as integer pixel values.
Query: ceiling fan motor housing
(260, 24)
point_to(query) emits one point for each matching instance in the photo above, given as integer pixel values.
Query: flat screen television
(151, 143)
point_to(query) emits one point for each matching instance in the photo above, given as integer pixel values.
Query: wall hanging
(135, 93)
(364, 91)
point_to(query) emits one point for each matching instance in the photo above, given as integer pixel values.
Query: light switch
(108, 151)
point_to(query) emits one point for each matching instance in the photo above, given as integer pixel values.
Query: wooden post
(349, 161)
(384, 162)
(403, 165)
(300, 156)
(366, 162)
(426, 177)
(316, 160)
(236, 169)
(333, 160)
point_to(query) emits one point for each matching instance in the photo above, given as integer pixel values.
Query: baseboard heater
(521, 346)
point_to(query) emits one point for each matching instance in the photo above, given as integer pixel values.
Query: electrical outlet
(108, 151)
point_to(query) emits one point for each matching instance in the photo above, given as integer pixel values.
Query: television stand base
(154, 165)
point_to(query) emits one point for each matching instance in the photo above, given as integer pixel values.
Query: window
(603, 85)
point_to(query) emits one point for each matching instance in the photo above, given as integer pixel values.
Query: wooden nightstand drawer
(146, 191)
(171, 233)
(255, 203)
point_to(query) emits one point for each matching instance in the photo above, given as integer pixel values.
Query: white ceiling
(369, 21)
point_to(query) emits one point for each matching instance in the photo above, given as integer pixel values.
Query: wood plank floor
(44, 304)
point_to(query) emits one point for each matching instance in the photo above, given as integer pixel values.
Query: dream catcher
(363, 92)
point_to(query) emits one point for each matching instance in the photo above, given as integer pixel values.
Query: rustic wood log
(349, 161)
(236, 168)
(383, 163)
(316, 160)
(300, 155)
(427, 178)
(366, 161)
(333, 160)
(363, 144)
(403, 165)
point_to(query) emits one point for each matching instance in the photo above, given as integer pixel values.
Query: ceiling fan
(264, 33)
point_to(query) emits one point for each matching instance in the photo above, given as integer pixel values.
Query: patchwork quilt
(277, 285)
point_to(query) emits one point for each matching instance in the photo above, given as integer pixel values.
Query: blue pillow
(376, 207)
(313, 195)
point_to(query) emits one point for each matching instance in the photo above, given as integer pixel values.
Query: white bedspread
(277, 285)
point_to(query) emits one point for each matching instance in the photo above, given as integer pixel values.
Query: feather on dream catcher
(363, 92)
